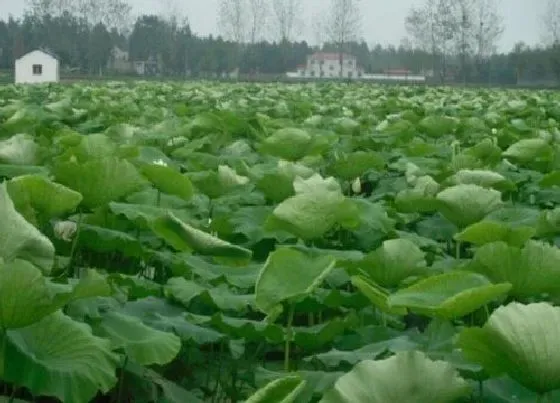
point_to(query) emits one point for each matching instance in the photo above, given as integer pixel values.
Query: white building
(38, 66)
(327, 65)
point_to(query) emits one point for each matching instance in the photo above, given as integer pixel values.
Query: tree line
(450, 40)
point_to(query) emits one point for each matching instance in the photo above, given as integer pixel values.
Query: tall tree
(99, 48)
(488, 28)
(232, 19)
(258, 14)
(342, 25)
(286, 18)
(551, 22)
(434, 28)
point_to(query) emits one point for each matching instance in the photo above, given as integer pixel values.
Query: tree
(99, 48)
(111, 13)
(232, 20)
(258, 13)
(342, 25)
(434, 28)
(488, 28)
(551, 22)
(285, 17)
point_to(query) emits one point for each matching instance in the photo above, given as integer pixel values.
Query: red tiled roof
(397, 71)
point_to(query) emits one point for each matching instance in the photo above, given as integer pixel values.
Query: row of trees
(455, 39)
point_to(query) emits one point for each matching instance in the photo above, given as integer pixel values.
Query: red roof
(397, 71)
(330, 56)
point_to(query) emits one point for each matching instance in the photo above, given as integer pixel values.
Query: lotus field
(337, 243)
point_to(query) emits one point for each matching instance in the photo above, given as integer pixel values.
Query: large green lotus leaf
(183, 237)
(278, 183)
(375, 224)
(20, 239)
(353, 165)
(377, 295)
(186, 330)
(289, 274)
(405, 377)
(551, 179)
(520, 340)
(100, 181)
(438, 126)
(513, 225)
(143, 344)
(12, 171)
(20, 149)
(527, 150)
(142, 214)
(284, 390)
(92, 147)
(102, 239)
(59, 357)
(414, 201)
(317, 206)
(241, 328)
(25, 295)
(450, 295)
(39, 200)
(464, 205)
(221, 297)
(216, 184)
(168, 180)
(393, 262)
(488, 179)
(532, 271)
(288, 143)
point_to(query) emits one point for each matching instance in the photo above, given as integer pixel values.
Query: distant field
(218, 242)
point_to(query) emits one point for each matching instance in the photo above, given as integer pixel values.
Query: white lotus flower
(65, 230)
(357, 185)
(160, 162)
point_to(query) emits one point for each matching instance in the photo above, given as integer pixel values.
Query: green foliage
(183, 242)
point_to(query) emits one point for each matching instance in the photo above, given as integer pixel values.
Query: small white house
(38, 66)
(327, 65)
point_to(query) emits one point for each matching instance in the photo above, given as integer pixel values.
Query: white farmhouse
(38, 66)
(327, 65)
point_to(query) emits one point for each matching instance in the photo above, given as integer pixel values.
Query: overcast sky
(383, 20)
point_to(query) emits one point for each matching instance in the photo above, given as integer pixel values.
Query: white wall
(331, 68)
(24, 68)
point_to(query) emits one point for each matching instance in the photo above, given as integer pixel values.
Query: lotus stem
(74, 245)
(458, 250)
(289, 334)
(121, 380)
(158, 198)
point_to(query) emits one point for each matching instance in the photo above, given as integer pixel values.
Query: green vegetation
(272, 243)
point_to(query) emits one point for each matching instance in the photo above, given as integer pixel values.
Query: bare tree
(111, 13)
(488, 27)
(286, 18)
(551, 22)
(342, 25)
(258, 13)
(434, 29)
(232, 19)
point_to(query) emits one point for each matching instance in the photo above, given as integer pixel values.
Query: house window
(37, 69)
(350, 74)
(350, 63)
(322, 73)
(331, 67)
